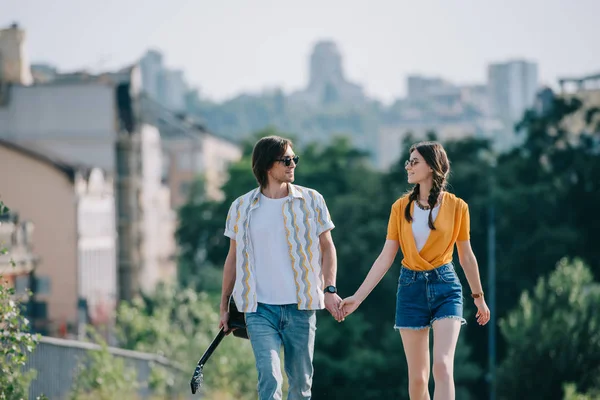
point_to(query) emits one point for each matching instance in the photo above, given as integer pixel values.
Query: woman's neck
(424, 190)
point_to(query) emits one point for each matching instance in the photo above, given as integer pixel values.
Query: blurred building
(189, 152)
(422, 87)
(17, 266)
(164, 85)
(43, 73)
(452, 112)
(587, 89)
(93, 120)
(391, 137)
(99, 120)
(73, 210)
(512, 88)
(152, 70)
(327, 81)
(14, 62)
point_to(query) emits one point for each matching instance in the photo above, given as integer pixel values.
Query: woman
(425, 224)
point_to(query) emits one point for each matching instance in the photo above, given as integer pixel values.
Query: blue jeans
(426, 296)
(270, 328)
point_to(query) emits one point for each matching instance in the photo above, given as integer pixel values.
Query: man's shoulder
(306, 191)
(245, 198)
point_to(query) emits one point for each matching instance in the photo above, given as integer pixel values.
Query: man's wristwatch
(330, 289)
(476, 295)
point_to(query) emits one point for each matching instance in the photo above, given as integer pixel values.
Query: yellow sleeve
(464, 232)
(394, 223)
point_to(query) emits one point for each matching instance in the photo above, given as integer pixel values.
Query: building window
(22, 284)
(184, 189)
(42, 285)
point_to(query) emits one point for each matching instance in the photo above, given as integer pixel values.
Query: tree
(553, 336)
(363, 354)
(572, 394)
(16, 341)
(179, 323)
(103, 376)
(546, 189)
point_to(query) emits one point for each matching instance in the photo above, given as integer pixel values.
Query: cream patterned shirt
(306, 217)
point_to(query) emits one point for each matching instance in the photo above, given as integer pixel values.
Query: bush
(16, 342)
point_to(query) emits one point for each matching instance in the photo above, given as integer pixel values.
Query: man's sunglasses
(287, 161)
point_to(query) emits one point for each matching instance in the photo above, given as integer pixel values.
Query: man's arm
(228, 283)
(329, 268)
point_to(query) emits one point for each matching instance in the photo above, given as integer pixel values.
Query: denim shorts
(426, 296)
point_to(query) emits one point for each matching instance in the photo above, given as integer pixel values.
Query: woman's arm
(381, 265)
(469, 264)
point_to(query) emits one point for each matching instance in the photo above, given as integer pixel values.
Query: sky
(228, 47)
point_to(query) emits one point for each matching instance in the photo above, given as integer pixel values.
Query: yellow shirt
(451, 225)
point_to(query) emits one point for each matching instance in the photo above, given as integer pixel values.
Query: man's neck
(276, 190)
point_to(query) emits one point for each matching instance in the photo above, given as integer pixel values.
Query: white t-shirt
(274, 274)
(420, 225)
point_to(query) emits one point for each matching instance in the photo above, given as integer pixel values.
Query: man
(281, 268)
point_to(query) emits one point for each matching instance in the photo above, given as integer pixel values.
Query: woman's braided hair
(435, 157)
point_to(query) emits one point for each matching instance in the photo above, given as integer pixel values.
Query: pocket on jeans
(448, 275)
(406, 278)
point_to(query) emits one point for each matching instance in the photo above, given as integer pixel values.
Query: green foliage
(103, 376)
(572, 394)
(554, 332)
(238, 118)
(547, 189)
(179, 324)
(16, 343)
(363, 354)
(544, 196)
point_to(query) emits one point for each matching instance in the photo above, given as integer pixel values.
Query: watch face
(330, 289)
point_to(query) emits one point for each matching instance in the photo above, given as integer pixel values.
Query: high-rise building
(152, 68)
(327, 83)
(14, 63)
(512, 88)
(164, 85)
(420, 87)
(174, 90)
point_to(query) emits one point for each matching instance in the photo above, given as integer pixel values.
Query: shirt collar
(293, 193)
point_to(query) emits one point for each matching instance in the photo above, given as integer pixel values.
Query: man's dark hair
(264, 154)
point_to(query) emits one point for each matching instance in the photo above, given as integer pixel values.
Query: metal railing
(56, 362)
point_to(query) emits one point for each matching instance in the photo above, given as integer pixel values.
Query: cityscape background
(126, 127)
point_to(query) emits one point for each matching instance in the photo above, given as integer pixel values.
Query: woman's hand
(483, 312)
(349, 305)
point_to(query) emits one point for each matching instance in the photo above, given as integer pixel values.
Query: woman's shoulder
(401, 202)
(451, 198)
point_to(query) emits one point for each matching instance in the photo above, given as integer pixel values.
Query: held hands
(349, 305)
(332, 301)
(483, 312)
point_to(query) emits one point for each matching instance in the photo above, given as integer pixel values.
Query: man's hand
(349, 305)
(332, 301)
(223, 323)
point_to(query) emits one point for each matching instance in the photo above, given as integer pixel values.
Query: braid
(439, 182)
(414, 195)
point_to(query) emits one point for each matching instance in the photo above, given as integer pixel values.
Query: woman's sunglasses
(412, 162)
(287, 161)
